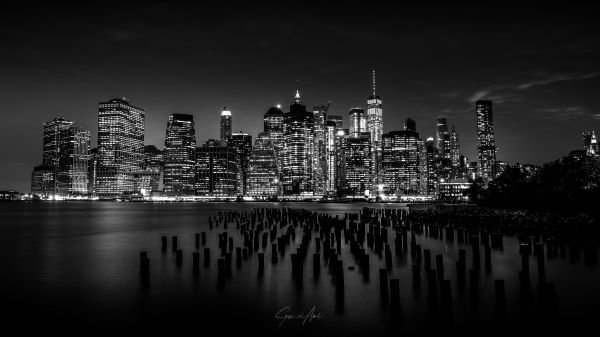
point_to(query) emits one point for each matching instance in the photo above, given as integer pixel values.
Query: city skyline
(528, 83)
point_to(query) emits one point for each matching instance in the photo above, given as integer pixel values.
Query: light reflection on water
(83, 258)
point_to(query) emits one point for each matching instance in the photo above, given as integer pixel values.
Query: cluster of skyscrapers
(300, 153)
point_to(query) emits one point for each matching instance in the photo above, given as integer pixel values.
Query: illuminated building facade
(263, 175)
(226, 124)
(359, 163)
(401, 160)
(66, 153)
(297, 165)
(486, 144)
(590, 143)
(216, 170)
(443, 139)
(319, 160)
(242, 142)
(149, 179)
(358, 122)
(454, 190)
(331, 158)
(454, 148)
(179, 155)
(431, 179)
(375, 128)
(120, 146)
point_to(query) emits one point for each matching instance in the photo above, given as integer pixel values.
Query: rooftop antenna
(373, 82)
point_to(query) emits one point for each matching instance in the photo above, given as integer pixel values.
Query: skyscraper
(442, 138)
(375, 128)
(319, 160)
(226, 124)
(273, 127)
(216, 170)
(152, 170)
(297, 166)
(430, 173)
(590, 143)
(359, 163)
(454, 148)
(358, 122)
(375, 115)
(331, 157)
(120, 146)
(66, 153)
(242, 142)
(401, 160)
(263, 175)
(179, 155)
(486, 144)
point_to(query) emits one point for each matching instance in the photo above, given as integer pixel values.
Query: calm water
(74, 267)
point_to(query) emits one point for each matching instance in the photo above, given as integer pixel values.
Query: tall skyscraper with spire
(225, 126)
(298, 138)
(375, 128)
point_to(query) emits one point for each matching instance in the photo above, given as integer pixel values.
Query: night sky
(540, 66)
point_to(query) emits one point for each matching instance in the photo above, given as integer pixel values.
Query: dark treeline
(567, 185)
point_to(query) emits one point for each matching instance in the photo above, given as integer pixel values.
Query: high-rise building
(442, 138)
(273, 127)
(359, 163)
(375, 128)
(358, 122)
(454, 148)
(375, 115)
(242, 142)
(331, 158)
(92, 171)
(66, 153)
(226, 125)
(486, 144)
(401, 160)
(120, 146)
(216, 170)
(263, 175)
(319, 160)
(431, 178)
(340, 135)
(149, 179)
(179, 155)
(297, 168)
(590, 143)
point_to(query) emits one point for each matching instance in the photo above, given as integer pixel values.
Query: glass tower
(179, 155)
(486, 145)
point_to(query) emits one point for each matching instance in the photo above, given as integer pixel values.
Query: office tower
(120, 146)
(66, 153)
(341, 138)
(358, 122)
(319, 160)
(92, 171)
(400, 160)
(590, 143)
(486, 144)
(42, 181)
(242, 142)
(263, 175)
(330, 158)
(454, 148)
(225, 126)
(359, 163)
(273, 127)
(179, 155)
(216, 170)
(443, 138)
(297, 165)
(149, 179)
(430, 170)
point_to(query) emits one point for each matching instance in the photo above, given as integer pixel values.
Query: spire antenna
(297, 97)
(373, 82)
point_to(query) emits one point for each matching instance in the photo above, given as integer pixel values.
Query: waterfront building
(263, 174)
(242, 142)
(359, 163)
(486, 144)
(179, 155)
(226, 126)
(120, 146)
(216, 170)
(401, 160)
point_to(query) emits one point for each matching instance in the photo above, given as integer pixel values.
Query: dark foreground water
(73, 267)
